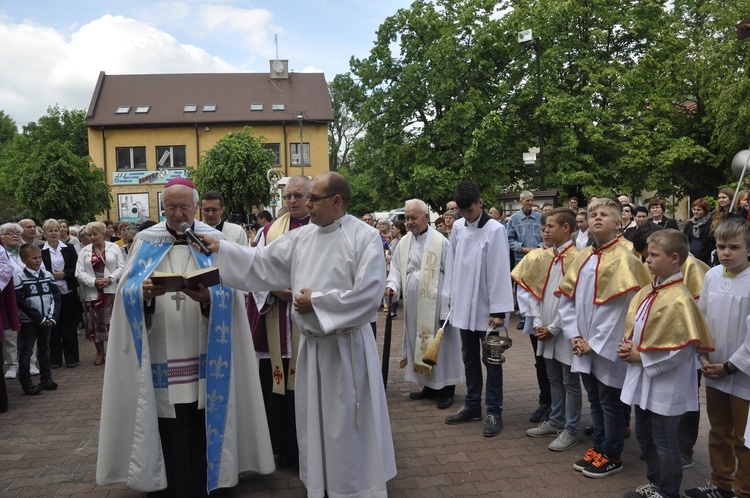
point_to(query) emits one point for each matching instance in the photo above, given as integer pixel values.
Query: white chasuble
(343, 427)
(449, 368)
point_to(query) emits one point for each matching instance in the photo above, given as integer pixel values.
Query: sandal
(99, 361)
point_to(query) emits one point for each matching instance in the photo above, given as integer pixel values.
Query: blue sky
(53, 50)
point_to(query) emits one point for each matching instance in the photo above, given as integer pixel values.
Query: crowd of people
(613, 296)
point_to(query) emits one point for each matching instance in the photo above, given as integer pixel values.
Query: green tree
(236, 166)
(57, 183)
(345, 130)
(8, 129)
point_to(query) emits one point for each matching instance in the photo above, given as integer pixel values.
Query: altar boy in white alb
(336, 271)
(417, 269)
(182, 409)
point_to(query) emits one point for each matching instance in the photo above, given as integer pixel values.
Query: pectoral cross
(177, 297)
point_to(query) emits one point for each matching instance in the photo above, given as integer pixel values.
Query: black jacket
(708, 242)
(70, 257)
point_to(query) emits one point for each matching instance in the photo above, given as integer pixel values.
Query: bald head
(334, 183)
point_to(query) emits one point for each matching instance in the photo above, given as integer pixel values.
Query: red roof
(233, 94)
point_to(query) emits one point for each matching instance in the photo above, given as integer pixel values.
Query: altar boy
(663, 331)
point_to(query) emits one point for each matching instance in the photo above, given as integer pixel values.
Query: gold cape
(693, 272)
(617, 272)
(532, 273)
(673, 319)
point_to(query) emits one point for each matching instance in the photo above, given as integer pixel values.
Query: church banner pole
(387, 346)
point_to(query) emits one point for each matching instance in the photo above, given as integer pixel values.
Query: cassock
(420, 261)
(276, 347)
(344, 432)
(179, 358)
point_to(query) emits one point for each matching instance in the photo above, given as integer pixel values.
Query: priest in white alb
(336, 271)
(182, 411)
(418, 269)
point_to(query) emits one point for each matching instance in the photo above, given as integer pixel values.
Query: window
(295, 154)
(278, 106)
(256, 107)
(276, 149)
(209, 107)
(122, 109)
(190, 108)
(172, 156)
(131, 157)
(142, 109)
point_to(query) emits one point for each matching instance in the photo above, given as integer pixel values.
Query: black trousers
(545, 395)
(279, 412)
(63, 340)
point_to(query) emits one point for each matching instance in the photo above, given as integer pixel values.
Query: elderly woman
(450, 217)
(698, 231)
(100, 266)
(128, 236)
(60, 260)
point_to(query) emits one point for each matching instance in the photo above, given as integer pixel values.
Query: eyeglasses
(212, 210)
(13, 234)
(297, 196)
(172, 209)
(317, 198)
(626, 211)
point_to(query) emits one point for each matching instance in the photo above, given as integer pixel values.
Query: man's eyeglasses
(13, 234)
(317, 198)
(297, 196)
(212, 210)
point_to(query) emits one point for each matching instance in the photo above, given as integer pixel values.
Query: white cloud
(43, 67)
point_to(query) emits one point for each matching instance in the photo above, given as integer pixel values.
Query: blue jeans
(29, 334)
(606, 415)
(471, 349)
(658, 437)
(565, 388)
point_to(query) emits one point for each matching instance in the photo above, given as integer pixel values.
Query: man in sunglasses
(212, 208)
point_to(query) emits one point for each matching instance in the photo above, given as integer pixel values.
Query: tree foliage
(637, 95)
(8, 129)
(345, 130)
(236, 166)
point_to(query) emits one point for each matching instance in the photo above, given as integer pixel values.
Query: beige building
(145, 129)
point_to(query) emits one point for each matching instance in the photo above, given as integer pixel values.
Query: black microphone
(185, 228)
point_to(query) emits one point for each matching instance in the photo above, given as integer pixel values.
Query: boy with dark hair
(596, 292)
(726, 306)
(539, 274)
(479, 287)
(38, 300)
(664, 328)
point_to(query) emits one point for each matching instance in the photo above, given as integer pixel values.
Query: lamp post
(525, 39)
(301, 117)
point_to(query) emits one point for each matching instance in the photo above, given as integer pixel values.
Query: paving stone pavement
(48, 443)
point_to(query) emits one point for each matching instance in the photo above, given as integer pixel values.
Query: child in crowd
(540, 278)
(38, 301)
(725, 303)
(596, 292)
(664, 328)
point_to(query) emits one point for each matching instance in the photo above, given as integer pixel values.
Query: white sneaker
(544, 429)
(563, 442)
(12, 373)
(33, 370)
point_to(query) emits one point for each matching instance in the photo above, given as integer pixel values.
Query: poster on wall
(162, 216)
(132, 206)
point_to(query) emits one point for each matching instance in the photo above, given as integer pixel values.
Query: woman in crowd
(450, 217)
(60, 260)
(440, 224)
(100, 266)
(698, 231)
(628, 221)
(741, 202)
(397, 231)
(66, 237)
(723, 203)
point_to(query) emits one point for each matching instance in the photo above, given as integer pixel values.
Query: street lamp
(300, 118)
(526, 39)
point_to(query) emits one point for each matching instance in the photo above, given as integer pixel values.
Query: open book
(175, 282)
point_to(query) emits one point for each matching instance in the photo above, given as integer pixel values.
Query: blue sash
(216, 365)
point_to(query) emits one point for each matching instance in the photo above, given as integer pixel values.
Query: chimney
(279, 69)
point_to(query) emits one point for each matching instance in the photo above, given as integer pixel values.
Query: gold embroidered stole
(672, 321)
(427, 294)
(273, 331)
(618, 272)
(533, 275)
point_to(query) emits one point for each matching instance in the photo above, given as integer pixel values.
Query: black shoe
(465, 414)
(55, 365)
(589, 430)
(72, 365)
(425, 393)
(33, 390)
(445, 402)
(539, 413)
(493, 425)
(49, 385)
(521, 325)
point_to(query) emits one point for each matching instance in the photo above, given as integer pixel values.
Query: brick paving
(48, 443)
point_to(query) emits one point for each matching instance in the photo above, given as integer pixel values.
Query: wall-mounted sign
(146, 177)
(132, 207)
